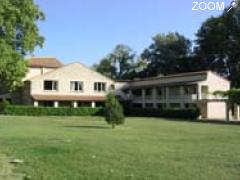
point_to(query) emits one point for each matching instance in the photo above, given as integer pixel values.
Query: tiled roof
(67, 98)
(44, 62)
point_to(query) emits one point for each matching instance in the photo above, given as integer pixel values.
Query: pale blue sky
(87, 30)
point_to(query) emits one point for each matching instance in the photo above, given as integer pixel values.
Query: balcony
(148, 97)
(186, 97)
(136, 98)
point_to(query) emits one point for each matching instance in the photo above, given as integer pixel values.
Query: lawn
(75, 148)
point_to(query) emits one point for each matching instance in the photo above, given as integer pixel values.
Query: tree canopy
(118, 64)
(19, 35)
(218, 44)
(167, 54)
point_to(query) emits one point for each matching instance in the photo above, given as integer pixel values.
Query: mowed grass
(76, 148)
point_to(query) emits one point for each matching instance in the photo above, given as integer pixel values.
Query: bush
(3, 105)
(113, 111)
(167, 113)
(51, 111)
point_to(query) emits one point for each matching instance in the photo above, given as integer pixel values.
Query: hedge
(167, 113)
(51, 111)
(88, 111)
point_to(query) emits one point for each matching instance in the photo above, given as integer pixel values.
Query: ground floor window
(84, 104)
(47, 103)
(190, 105)
(65, 104)
(149, 105)
(100, 104)
(137, 105)
(175, 105)
(161, 105)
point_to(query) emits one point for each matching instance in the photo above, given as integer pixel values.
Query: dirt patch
(7, 170)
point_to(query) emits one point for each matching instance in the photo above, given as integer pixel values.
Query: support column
(75, 104)
(143, 98)
(199, 92)
(35, 103)
(182, 98)
(167, 97)
(154, 97)
(130, 96)
(227, 112)
(238, 109)
(236, 112)
(56, 104)
(93, 104)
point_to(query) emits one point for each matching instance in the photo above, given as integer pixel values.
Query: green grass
(75, 148)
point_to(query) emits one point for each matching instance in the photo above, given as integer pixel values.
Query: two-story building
(186, 90)
(50, 83)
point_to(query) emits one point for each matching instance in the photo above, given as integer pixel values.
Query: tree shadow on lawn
(202, 121)
(207, 121)
(89, 127)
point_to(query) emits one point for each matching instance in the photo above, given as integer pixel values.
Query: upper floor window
(161, 92)
(99, 86)
(205, 92)
(148, 92)
(191, 89)
(137, 92)
(51, 85)
(76, 85)
(174, 91)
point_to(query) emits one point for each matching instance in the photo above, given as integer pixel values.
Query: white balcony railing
(184, 97)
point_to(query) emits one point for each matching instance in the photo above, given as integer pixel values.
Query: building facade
(50, 83)
(186, 90)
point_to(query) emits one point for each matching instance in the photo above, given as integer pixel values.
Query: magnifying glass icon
(233, 4)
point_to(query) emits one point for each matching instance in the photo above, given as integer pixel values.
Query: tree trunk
(113, 125)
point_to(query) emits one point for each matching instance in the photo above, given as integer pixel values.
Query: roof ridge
(48, 62)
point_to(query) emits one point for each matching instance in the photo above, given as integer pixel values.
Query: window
(50, 85)
(148, 92)
(99, 86)
(137, 92)
(175, 105)
(161, 105)
(191, 89)
(205, 92)
(174, 91)
(149, 105)
(76, 86)
(190, 105)
(137, 105)
(112, 87)
(161, 93)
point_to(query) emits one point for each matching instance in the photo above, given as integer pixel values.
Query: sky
(87, 30)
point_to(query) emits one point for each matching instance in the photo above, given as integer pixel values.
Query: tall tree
(106, 67)
(118, 64)
(19, 35)
(123, 59)
(167, 54)
(218, 44)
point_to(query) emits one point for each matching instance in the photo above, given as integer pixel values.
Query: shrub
(167, 113)
(3, 105)
(233, 95)
(113, 111)
(51, 111)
